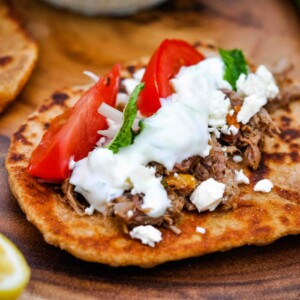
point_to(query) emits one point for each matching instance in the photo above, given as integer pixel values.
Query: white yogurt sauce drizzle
(176, 132)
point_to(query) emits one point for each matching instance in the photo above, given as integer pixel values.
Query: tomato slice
(163, 65)
(74, 133)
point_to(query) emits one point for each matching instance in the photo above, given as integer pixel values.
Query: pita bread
(259, 218)
(18, 55)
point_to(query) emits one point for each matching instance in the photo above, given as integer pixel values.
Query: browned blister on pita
(253, 219)
(18, 55)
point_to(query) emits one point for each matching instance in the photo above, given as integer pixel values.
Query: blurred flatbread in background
(18, 55)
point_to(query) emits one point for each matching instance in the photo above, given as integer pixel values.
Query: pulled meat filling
(250, 137)
(181, 181)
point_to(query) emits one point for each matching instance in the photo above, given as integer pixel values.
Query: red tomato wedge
(74, 133)
(163, 65)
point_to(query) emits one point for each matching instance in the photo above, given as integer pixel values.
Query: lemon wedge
(14, 270)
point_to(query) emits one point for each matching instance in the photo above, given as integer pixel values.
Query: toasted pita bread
(18, 55)
(259, 218)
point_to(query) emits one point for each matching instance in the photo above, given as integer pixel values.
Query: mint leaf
(125, 135)
(235, 65)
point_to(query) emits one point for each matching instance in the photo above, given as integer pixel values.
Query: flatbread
(18, 55)
(259, 218)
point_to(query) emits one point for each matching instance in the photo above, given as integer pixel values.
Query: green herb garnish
(125, 135)
(235, 64)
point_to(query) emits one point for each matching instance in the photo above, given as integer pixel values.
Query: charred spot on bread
(288, 194)
(289, 134)
(59, 98)
(20, 137)
(15, 157)
(5, 60)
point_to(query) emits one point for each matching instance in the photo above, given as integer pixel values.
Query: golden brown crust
(258, 219)
(18, 55)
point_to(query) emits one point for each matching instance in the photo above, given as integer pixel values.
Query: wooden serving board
(69, 44)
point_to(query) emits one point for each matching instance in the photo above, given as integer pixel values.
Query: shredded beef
(137, 216)
(233, 96)
(252, 137)
(289, 92)
(218, 165)
(215, 163)
(289, 88)
(69, 197)
(186, 165)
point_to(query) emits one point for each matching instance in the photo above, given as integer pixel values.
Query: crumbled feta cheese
(237, 158)
(139, 74)
(208, 195)
(241, 177)
(256, 88)
(234, 130)
(224, 149)
(231, 112)
(218, 109)
(224, 129)
(229, 130)
(200, 230)
(148, 234)
(264, 186)
(130, 214)
(72, 163)
(215, 131)
(251, 105)
(89, 210)
(259, 83)
(175, 174)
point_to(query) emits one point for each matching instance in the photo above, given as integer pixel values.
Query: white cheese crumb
(72, 163)
(200, 230)
(215, 131)
(139, 74)
(264, 186)
(224, 149)
(89, 210)
(251, 105)
(148, 234)
(256, 88)
(229, 129)
(231, 112)
(129, 214)
(237, 158)
(175, 174)
(208, 195)
(218, 110)
(241, 177)
(234, 130)
(259, 83)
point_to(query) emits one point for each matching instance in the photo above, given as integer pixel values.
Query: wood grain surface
(267, 30)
